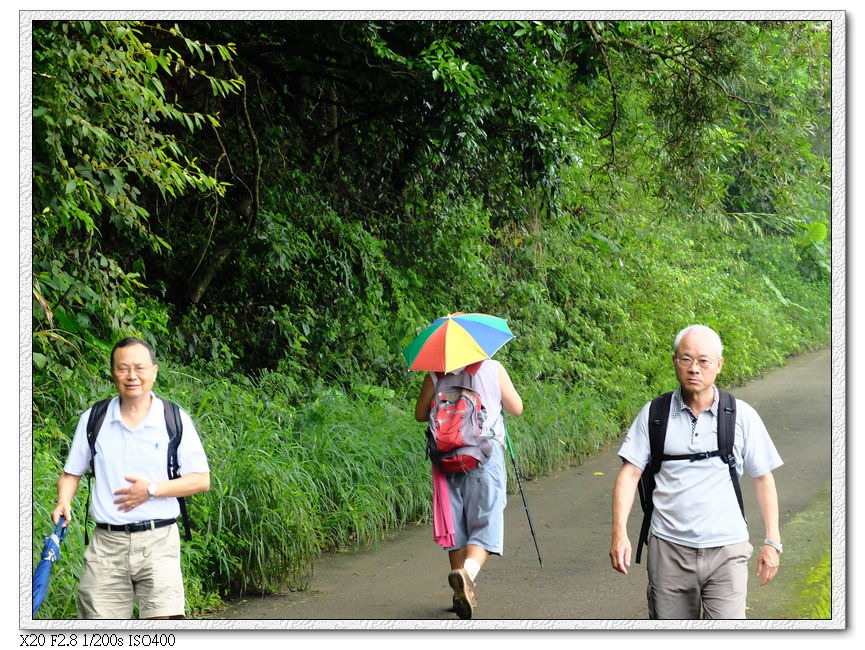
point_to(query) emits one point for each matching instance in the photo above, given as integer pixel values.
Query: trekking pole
(523, 494)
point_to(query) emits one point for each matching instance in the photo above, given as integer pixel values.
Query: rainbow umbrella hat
(456, 340)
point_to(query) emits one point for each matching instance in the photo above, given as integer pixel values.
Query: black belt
(137, 527)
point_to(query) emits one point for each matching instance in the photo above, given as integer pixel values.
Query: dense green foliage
(280, 207)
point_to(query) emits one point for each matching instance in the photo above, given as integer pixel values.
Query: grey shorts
(120, 568)
(684, 581)
(478, 500)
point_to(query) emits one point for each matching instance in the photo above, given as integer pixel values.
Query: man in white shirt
(699, 549)
(135, 550)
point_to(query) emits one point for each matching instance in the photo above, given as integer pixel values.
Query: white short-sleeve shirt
(695, 502)
(140, 453)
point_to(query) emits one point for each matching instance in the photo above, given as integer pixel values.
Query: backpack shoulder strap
(726, 422)
(94, 424)
(174, 425)
(726, 439)
(659, 413)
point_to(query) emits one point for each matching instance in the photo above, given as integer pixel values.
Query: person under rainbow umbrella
(470, 527)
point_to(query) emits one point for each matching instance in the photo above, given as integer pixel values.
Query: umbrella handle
(60, 531)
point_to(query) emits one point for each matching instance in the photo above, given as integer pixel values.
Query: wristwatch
(776, 545)
(151, 490)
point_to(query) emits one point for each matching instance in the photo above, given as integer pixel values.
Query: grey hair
(716, 340)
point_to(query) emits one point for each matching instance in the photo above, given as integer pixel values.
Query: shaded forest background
(280, 206)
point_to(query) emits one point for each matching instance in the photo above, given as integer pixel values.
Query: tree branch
(609, 132)
(256, 154)
(666, 56)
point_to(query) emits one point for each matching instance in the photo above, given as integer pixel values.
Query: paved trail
(406, 576)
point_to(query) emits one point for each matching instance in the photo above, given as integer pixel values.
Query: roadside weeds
(807, 537)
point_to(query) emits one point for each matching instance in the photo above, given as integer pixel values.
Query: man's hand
(767, 563)
(133, 496)
(620, 553)
(61, 510)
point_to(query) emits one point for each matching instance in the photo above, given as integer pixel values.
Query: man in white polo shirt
(699, 549)
(135, 550)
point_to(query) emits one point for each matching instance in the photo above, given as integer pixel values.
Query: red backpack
(456, 419)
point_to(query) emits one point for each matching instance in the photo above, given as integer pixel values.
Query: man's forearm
(767, 499)
(185, 486)
(67, 486)
(623, 497)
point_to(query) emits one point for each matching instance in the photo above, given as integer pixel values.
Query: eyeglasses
(140, 369)
(687, 362)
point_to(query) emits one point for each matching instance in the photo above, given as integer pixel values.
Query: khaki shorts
(120, 568)
(684, 580)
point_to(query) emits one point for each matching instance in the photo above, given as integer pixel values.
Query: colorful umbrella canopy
(456, 340)
(50, 554)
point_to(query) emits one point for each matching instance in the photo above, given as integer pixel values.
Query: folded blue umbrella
(50, 554)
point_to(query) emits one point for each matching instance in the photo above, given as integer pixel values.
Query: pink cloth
(443, 521)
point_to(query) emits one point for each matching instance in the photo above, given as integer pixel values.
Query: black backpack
(174, 426)
(659, 411)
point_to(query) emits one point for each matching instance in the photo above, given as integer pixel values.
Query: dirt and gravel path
(405, 577)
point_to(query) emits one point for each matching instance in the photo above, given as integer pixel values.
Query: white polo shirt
(695, 503)
(142, 453)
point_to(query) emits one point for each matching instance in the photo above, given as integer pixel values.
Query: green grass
(816, 599)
